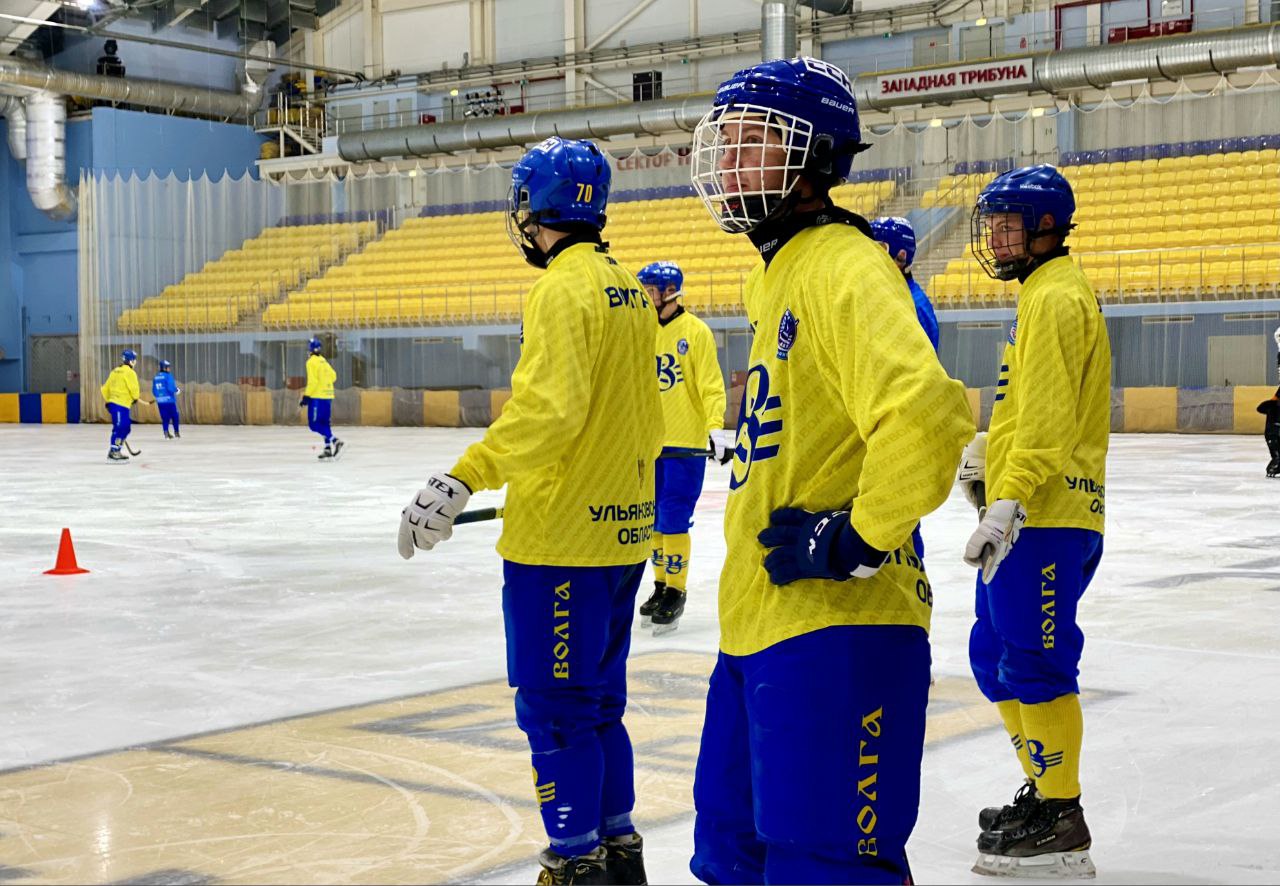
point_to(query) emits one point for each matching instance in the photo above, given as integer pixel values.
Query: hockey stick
(130, 448)
(479, 515)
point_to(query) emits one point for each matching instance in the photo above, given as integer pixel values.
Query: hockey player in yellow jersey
(317, 398)
(121, 391)
(693, 401)
(849, 433)
(575, 446)
(1039, 478)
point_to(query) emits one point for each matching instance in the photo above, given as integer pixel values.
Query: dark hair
(110, 47)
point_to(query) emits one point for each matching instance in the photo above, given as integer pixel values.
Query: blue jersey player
(899, 237)
(165, 391)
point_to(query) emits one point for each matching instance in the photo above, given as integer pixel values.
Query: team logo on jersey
(787, 329)
(1013, 332)
(682, 346)
(1040, 761)
(670, 373)
(759, 420)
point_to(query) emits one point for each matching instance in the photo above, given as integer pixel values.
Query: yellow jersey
(846, 407)
(121, 386)
(576, 442)
(689, 381)
(1051, 420)
(320, 378)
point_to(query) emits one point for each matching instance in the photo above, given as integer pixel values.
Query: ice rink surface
(251, 686)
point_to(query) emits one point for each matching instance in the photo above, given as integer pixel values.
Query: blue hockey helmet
(315, 346)
(128, 356)
(663, 274)
(165, 365)
(1030, 193)
(770, 124)
(897, 234)
(561, 182)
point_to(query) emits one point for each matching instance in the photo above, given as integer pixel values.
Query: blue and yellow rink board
(427, 788)
(38, 409)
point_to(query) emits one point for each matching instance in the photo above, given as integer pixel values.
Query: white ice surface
(235, 579)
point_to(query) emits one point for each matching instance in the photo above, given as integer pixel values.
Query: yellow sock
(677, 548)
(1011, 713)
(1054, 732)
(657, 559)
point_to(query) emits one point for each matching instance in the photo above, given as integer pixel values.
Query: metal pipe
(154, 94)
(47, 156)
(11, 109)
(1166, 58)
(174, 44)
(777, 30)
(499, 132)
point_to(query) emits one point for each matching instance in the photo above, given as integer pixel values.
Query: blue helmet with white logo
(663, 274)
(315, 346)
(1028, 194)
(769, 125)
(165, 365)
(896, 233)
(128, 356)
(561, 182)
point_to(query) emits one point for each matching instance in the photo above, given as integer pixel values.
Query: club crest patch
(787, 330)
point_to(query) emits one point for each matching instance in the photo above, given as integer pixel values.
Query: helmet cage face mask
(521, 225)
(982, 236)
(746, 162)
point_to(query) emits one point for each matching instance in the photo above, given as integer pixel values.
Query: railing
(1157, 276)
(470, 100)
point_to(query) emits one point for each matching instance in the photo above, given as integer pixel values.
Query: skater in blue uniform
(165, 391)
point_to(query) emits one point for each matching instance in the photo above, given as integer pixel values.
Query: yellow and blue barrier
(36, 409)
(1209, 410)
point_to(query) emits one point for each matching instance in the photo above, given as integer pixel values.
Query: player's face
(654, 295)
(753, 158)
(1007, 235)
(670, 293)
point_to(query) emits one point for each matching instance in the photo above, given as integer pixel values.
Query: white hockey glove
(972, 474)
(995, 536)
(723, 442)
(428, 519)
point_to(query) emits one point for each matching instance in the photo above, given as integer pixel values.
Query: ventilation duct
(1098, 66)
(47, 155)
(12, 111)
(154, 94)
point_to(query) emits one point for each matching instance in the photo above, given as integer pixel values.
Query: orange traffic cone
(66, 564)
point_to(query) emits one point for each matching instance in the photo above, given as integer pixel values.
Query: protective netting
(229, 278)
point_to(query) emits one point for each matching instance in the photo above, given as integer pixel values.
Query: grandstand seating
(241, 281)
(463, 269)
(1154, 229)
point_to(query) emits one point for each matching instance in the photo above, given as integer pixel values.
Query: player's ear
(901, 256)
(1047, 223)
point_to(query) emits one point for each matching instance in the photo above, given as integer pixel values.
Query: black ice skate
(168, 436)
(116, 455)
(666, 618)
(328, 452)
(589, 868)
(625, 860)
(1053, 843)
(648, 606)
(337, 447)
(1003, 818)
